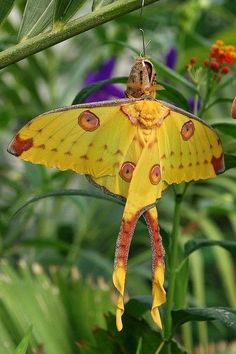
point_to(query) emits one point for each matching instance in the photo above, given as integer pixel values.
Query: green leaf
(88, 90)
(42, 41)
(172, 94)
(69, 192)
(42, 243)
(97, 4)
(226, 128)
(23, 345)
(225, 315)
(219, 100)
(194, 245)
(136, 337)
(38, 14)
(52, 305)
(64, 10)
(226, 82)
(138, 305)
(5, 6)
(163, 69)
(230, 161)
(128, 338)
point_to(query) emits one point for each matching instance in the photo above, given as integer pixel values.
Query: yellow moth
(132, 148)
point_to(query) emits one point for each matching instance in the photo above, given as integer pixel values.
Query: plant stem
(196, 101)
(173, 256)
(42, 41)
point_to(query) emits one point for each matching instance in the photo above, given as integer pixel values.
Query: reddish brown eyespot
(88, 121)
(126, 171)
(187, 130)
(155, 174)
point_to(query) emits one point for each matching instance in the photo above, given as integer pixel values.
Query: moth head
(142, 79)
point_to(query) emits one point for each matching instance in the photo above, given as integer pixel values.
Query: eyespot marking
(155, 174)
(187, 130)
(126, 171)
(88, 121)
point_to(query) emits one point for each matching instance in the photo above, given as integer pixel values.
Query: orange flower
(223, 53)
(219, 62)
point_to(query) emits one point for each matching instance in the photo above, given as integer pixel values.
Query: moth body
(142, 79)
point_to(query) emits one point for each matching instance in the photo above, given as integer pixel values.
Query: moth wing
(88, 140)
(146, 184)
(119, 183)
(189, 149)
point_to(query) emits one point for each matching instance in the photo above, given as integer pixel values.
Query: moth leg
(158, 267)
(129, 221)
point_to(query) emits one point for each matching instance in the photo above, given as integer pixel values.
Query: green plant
(60, 233)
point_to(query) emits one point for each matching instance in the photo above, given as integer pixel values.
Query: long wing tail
(128, 225)
(158, 291)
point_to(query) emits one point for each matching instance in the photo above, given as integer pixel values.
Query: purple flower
(191, 103)
(107, 91)
(171, 58)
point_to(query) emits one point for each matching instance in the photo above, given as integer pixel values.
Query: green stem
(196, 101)
(207, 93)
(173, 257)
(187, 336)
(42, 41)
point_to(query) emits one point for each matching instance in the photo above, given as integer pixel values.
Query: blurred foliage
(57, 253)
